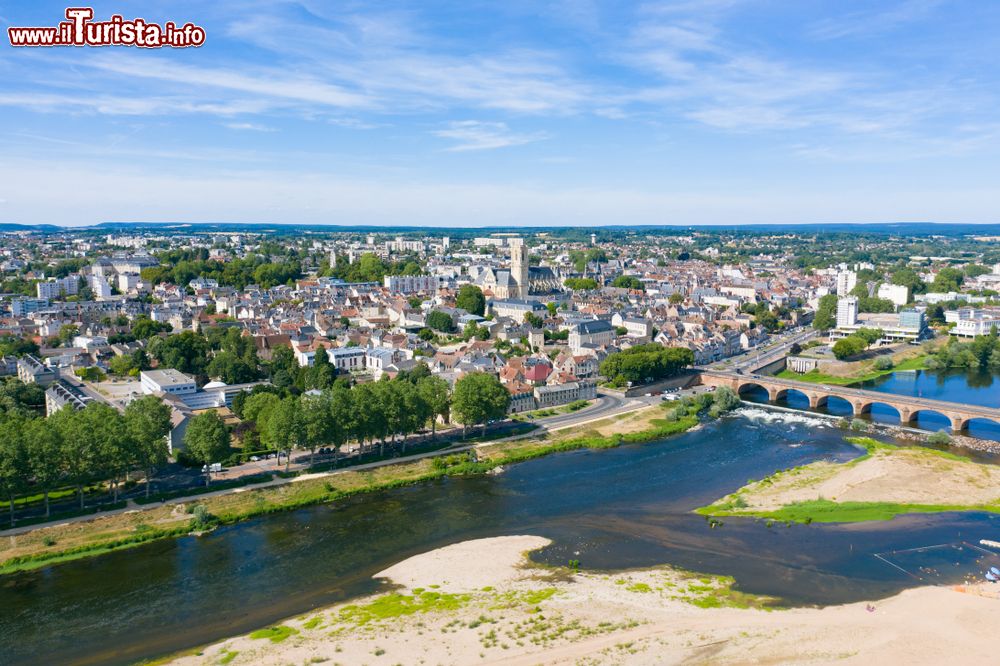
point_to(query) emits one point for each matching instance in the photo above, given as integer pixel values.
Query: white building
(100, 287)
(846, 281)
(20, 307)
(635, 327)
(169, 380)
(410, 284)
(128, 282)
(847, 312)
(970, 322)
(897, 293)
(67, 286)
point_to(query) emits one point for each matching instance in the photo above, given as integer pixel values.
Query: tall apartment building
(847, 312)
(409, 284)
(846, 281)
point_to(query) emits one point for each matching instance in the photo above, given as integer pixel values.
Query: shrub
(940, 438)
(883, 363)
(858, 425)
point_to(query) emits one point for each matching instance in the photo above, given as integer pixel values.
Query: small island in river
(886, 481)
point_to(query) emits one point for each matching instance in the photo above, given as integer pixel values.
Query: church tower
(519, 266)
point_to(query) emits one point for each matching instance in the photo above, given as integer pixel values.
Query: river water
(620, 508)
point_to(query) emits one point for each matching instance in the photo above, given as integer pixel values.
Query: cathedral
(521, 280)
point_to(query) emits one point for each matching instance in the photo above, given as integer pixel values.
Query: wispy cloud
(477, 135)
(873, 21)
(250, 127)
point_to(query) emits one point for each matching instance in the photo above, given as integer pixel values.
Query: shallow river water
(620, 508)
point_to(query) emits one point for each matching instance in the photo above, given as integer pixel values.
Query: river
(619, 508)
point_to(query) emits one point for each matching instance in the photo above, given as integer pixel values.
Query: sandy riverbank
(916, 477)
(483, 602)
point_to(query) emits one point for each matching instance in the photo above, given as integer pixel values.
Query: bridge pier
(814, 400)
(906, 415)
(958, 423)
(772, 394)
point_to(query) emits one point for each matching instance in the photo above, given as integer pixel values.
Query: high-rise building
(519, 266)
(846, 281)
(847, 312)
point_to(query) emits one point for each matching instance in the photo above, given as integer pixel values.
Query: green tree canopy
(478, 398)
(470, 298)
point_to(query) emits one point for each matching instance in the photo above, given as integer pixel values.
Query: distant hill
(885, 228)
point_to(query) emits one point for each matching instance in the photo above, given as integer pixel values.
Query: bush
(201, 518)
(940, 438)
(883, 363)
(858, 425)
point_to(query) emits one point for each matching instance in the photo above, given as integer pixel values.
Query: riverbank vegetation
(71, 541)
(980, 353)
(884, 482)
(845, 374)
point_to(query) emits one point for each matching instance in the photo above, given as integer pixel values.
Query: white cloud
(251, 127)
(477, 135)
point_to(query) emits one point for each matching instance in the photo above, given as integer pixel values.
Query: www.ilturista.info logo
(80, 30)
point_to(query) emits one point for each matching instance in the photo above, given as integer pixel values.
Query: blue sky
(511, 113)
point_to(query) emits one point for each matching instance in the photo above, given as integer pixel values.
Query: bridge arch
(881, 413)
(983, 427)
(795, 396)
(758, 388)
(929, 419)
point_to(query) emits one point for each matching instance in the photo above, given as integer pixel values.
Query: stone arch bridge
(860, 400)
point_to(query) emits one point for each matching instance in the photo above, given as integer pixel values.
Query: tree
(825, 318)
(14, 466)
(627, 282)
(470, 298)
(470, 330)
(869, 335)
(580, 284)
(67, 333)
(947, 279)
(206, 439)
(231, 369)
(122, 365)
(907, 277)
(725, 399)
(144, 328)
(533, 320)
(676, 299)
(643, 363)
(148, 423)
(436, 395)
(258, 406)
(186, 351)
(479, 398)
(318, 423)
(284, 428)
(440, 321)
(849, 346)
(44, 449)
(12, 345)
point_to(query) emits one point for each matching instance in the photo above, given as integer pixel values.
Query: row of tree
(75, 448)
(374, 413)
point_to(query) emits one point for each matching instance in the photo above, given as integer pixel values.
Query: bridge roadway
(860, 400)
